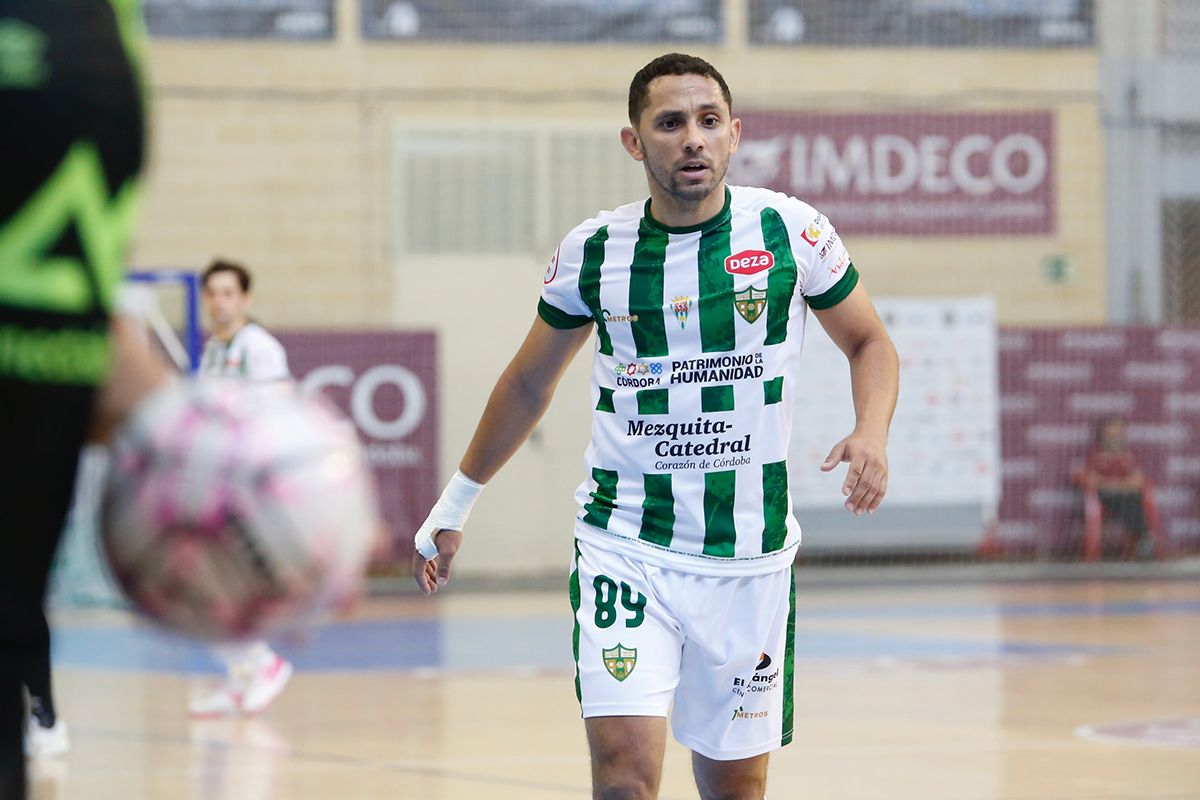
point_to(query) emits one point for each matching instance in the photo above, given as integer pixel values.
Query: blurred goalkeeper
(72, 138)
(240, 348)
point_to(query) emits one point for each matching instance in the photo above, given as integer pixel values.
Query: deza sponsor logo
(749, 262)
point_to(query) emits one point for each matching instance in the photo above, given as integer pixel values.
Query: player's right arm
(520, 397)
(517, 402)
(134, 374)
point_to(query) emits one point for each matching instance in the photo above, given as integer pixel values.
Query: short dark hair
(222, 265)
(671, 64)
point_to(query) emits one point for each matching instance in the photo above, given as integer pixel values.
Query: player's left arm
(875, 379)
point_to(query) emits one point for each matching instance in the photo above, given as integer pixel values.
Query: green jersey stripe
(716, 398)
(789, 666)
(576, 597)
(654, 401)
(715, 304)
(605, 403)
(772, 391)
(557, 318)
(646, 306)
(839, 292)
(775, 500)
(781, 280)
(589, 285)
(719, 533)
(604, 498)
(658, 510)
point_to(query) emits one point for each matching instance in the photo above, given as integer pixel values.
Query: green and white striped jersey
(699, 332)
(252, 354)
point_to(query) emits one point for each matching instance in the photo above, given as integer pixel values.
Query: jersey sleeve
(266, 360)
(827, 273)
(561, 305)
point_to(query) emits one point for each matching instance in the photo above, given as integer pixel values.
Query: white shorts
(721, 649)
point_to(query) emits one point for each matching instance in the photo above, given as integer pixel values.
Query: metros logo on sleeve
(907, 174)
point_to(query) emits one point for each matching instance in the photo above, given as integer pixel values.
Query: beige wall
(281, 155)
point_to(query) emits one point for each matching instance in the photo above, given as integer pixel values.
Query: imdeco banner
(970, 174)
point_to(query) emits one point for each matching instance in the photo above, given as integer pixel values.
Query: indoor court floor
(1072, 690)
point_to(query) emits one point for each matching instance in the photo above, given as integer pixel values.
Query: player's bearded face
(687, 136)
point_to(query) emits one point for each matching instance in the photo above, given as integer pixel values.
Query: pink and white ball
(235, 510)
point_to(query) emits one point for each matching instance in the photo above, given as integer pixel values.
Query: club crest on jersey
(812, 234)
(620, 661)
(749, 262)
(750, 303)
(681, 306)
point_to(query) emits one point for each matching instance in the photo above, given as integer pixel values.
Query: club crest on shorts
(750, 303)
(620, 661)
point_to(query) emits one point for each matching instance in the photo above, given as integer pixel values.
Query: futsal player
(681, 581)
(71, 135)
(240, 348)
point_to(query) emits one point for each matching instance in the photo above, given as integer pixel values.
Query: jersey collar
(720, 218)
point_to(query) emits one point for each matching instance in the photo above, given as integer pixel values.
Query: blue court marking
(482, 644)
(823, 645)
(1122, 609)
(488, 644)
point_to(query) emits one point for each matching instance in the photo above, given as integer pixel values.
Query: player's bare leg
(627, 756)
(743, 779)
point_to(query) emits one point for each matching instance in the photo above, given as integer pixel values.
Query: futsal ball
(234, 510)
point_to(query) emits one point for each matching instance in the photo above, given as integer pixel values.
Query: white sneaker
(265, 684)
(224, 702)
(46, 742)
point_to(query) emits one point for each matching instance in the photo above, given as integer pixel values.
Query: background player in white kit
(682, 583)
(240, 348)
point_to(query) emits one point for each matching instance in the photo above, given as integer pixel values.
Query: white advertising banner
(944, 447)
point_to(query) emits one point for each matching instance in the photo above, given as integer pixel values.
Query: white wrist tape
(449, 513)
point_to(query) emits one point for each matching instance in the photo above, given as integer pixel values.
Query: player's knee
(623, 779)
(626, 788)
(752, 790)
(628, 781)
(724, 781)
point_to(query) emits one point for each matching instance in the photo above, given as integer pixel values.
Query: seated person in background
(1112, 471)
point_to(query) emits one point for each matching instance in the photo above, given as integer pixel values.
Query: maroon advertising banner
(386, 383)
(910, 174)
(1056, 386)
